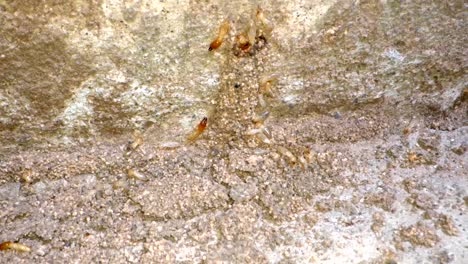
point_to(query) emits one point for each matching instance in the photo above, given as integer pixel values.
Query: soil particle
(378, 223)
(422, 200)
(384, 200)
(420, 234)
(447, 225)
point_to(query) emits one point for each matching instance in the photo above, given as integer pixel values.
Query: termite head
(198, 131)
(215, 44)
(203, 123)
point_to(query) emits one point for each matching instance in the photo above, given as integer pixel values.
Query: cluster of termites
(255, 35)
(249, 40)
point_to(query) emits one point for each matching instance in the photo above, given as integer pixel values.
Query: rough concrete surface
(337, 135)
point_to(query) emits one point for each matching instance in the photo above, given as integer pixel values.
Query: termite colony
(248, 41)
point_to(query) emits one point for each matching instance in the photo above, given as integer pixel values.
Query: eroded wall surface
(338, 136)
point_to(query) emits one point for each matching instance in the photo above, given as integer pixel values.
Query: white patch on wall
(394, 55)
(78, 109)
(116, 76)
(291, 99)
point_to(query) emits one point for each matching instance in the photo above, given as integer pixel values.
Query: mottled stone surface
(365, 160)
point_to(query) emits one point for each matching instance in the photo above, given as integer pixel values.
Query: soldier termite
(198, 130)
(14, 246)
(223, 31)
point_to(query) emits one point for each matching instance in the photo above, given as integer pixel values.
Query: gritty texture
(359, 155)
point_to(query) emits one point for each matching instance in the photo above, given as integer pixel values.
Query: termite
(260, 119)
(253, 131)
(243, 42)
(137, 142)
(132, 173)
(267, 132)
(285, 152)
(198, 131)
(260, 15)
(266, 85)
(265, 89)
(223, 31)
(303, 162)
(263, 21)
(14, 246)
(169, 145)
(262, 133)
(26, 176)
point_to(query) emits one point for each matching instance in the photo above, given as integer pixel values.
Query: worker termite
(266, 85)
(263, 21)
(303, 162)
(132, 173)
(136, 142)
(288, 154)
(265, 89)
(198, 130)
(169, 145)
(223, 31)
(262, 132)
(246, 40)
(260, 119)
(14, 246)
(243, 42)
(26, 175)
(253, 131)
(267, 132)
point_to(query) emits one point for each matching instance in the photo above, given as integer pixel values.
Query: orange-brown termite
(14, 246)
(197, 132)
(223, 31)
